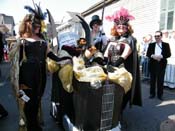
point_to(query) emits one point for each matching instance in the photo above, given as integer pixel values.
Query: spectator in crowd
(172, 44)
(144, 59)
(158, 52)
(165, 36)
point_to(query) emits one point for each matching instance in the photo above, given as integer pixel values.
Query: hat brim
(93, 21)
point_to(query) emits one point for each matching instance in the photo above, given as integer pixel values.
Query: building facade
(8, 21)
(150, 15)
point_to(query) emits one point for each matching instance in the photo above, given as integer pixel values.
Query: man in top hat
(98, 37)
(99, 40)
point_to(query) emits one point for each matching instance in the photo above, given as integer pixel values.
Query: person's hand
(157, 57)
(92, 49)
(154, 57)
(110, 68)
(23, 96)
(88, 53)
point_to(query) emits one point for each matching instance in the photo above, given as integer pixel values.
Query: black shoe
(151, 96)
(3, 114)
(160, 98)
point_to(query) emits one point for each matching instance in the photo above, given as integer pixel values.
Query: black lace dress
(32, 77)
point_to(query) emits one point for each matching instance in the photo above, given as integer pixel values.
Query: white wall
(146, 13)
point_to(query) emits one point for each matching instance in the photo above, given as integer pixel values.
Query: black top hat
(95, 19)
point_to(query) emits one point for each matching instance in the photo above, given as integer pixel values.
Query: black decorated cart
(97, 109)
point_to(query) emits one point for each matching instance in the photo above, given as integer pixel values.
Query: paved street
(153, 113)
(7, 99)
(146, 118)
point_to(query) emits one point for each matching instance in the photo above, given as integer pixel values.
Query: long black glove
(110, 68)
(71, 50)
(52, 56)
(119, 62)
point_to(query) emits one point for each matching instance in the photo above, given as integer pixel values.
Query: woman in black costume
(122, 50)
(32, 73)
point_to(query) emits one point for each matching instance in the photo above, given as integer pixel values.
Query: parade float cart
(67, 33)
(97, 109)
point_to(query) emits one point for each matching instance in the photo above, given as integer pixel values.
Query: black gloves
(110, 68)
(52, 56)
(98, 60)
(110, 64)
(119, 62)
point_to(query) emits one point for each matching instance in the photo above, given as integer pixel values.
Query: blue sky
(57, 8)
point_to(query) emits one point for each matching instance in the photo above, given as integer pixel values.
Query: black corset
(35, 51)
(115, 52)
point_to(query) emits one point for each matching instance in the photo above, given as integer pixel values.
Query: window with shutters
(167, 14)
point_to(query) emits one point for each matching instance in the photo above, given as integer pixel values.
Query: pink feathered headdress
(120, 17)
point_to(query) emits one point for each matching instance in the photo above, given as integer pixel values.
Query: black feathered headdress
(37, 13)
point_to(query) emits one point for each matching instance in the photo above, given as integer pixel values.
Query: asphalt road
(7, 99)
(146, 118)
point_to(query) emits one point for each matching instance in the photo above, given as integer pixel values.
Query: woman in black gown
(32, 72)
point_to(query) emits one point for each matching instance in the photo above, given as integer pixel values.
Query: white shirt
(158, 49)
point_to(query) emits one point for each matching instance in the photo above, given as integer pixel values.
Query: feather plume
(30, 9)
(37, 12)
(121, 16)
(40, 14)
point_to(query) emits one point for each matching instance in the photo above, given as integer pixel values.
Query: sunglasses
(157, 36)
